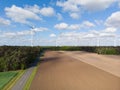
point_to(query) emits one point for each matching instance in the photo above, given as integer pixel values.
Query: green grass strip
(6, 77)
(29, 81)
(14, 80)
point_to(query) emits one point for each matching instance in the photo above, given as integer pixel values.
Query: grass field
(5, 77)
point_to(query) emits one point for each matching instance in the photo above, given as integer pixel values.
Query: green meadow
(5, 77)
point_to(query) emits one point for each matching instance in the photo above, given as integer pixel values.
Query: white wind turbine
(34, 30)
(32, 34)
(58, 38)
(97, 36)
(32, 27)
(115, 40)
(118, 40)
(110, 35)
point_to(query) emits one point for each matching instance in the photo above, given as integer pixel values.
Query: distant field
(77, 70)
(5, 77)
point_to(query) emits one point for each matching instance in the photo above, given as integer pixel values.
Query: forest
(15, 57)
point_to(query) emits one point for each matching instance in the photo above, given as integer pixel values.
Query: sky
(60, 22)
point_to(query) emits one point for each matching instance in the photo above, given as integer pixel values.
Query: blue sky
(53, 20)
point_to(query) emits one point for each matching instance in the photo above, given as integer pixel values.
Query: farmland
(5, 77)
(62, 64)
(16, 58)
(77, 70)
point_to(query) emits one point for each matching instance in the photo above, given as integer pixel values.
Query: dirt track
(59, 71)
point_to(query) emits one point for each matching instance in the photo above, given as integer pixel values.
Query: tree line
(100, 50)
(20, 57)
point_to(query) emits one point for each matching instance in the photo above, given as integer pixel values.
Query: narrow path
(22, 81)
(59, 71)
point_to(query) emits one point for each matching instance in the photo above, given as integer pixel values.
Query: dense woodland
(16, 57)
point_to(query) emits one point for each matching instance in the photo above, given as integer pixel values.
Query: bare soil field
(108, 63)
(60, 71)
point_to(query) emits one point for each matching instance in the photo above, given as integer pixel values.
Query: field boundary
(14, 80)
(29, 81)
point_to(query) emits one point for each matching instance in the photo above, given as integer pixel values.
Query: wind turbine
(115, 40)
(34, 30)
(109, 35)
(32, 33)
(97, 36)
(118, 40)
(57, 41)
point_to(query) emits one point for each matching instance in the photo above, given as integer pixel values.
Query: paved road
(22, 81)
(59, 71)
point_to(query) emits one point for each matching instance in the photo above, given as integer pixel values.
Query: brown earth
(108, 63)
(59, 71)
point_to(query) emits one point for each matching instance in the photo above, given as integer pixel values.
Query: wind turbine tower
(32, 34)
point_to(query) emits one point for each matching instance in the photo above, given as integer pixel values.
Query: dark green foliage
(99, 50)
(65, 48)
(14, 58)
(108, 50)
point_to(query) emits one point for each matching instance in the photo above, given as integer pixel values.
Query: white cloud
(47, 11)
(4, 21)
(113, 20)
(16, 34)
(107, 35)
(65, 26)
(76, 7)
(40, 29)
(52, 35)
(61, 26)
(90, 35)
(20, 15)
(23, 33)
(94, 5)
(74, 27)
(110, 30)
(69, 5)
(90, 5)
(8, 34)
(107, 32)
(35, 8)
(75, 15)
(59, 16)
(87, 24)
